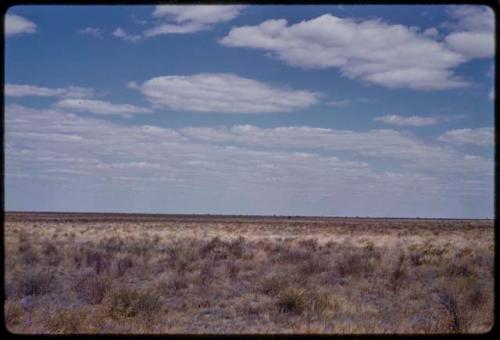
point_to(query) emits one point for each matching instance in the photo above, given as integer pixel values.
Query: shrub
(449, 302)
(206, 274)
(459, 269)
(51, 254)
(125, 302)
(416, 258)
(123, 265)
(96, 260)
(92, 288)
(177, 282)
(369, 246)
(291, 301)
(14, 312)
(35, 282)
(317, 303)
(233, 270)
(273, 285)
(65, 322)
(476, 296)
(313, 265)
(112, 244)
(351, 264)
(397, 273)
(237, 247)
(310, 244)
(29, 257)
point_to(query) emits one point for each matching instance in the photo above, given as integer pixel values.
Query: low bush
(126, 302)
(291, 301)
(91, 287)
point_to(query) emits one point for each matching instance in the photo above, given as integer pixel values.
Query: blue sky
(302, 110)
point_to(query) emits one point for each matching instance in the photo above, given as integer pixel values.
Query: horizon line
(243, 215)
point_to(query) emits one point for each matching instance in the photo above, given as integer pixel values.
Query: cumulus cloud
(15, 25)
(222, 92)
(100, 107)
(183, 19)
(474, 34)
(190, 18)
(407, 121)
(478, 136)
(92, 31)
(15, 90)
(373, 50)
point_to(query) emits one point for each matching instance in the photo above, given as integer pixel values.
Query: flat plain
(131, 273)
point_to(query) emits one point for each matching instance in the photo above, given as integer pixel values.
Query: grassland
(210, 274)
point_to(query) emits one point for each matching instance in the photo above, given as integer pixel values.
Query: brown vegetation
(221, 275)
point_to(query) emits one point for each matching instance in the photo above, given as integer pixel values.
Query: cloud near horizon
(256, 162)
(416, 121)
(100, 107)
(16, 90)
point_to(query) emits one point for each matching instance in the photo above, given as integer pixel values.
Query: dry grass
(133, 274)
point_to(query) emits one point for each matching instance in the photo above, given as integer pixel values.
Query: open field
(107, 273)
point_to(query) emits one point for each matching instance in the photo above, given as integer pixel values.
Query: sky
(381, 111)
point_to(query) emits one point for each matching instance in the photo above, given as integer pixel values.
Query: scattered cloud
(222, 92)
(13, 90)
(120, 33)
(15, 25)
(491, 94)
(478, 136)
(100, 107)
(91, 31)
(407, 121)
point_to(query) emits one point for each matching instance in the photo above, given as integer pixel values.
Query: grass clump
(291, 301)
(127, 302)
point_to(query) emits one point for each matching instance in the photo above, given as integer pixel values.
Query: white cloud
(407, 121)
(222, 92)
(269, 168)
(491, 94)
(120, 33)
(372, 50)
(474, 35)
(15, 24)
(13, 90)
(431, 32)
(92, 31)
(175, 29)
(386, 144)
(204, 14)
(100, 107)
(472, 44)
(183, 19)
(191, 18)
(478, 136)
